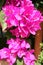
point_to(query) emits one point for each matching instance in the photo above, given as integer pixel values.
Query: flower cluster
(6, 54)
(26, 19)
(17, 48)
(29, 58)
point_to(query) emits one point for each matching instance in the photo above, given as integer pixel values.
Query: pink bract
(6, 54)
(13, 2)
(18, 46)
(29, 24)
(41, 18)
(29, 58)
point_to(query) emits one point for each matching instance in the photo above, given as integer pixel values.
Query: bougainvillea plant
(21, 19)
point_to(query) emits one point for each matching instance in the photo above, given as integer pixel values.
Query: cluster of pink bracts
(17, 48)
(26, 19)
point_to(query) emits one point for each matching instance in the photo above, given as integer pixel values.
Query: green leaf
(2, 20)
(19, 62)
(41, 44)
(37, 63)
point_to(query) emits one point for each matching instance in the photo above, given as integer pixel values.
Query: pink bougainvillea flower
(13, 12)
(12, 21)
(25, 18)
(18, 46)
(19, 2)
(29, 58)
(12, 15)
(14, 2)
(12, 59)
(29, 24)
(6, 54)
(14, 45)
(41, 18)
(10, 10)
(20, 31)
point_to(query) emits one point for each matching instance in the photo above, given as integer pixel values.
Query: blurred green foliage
(2, 20)
(40, 59)
(38, 3)
(19, 62)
